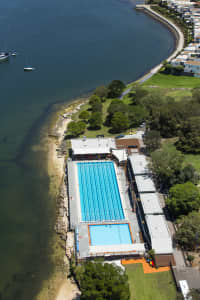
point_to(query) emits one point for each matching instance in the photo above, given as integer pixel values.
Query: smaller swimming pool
(110, 234)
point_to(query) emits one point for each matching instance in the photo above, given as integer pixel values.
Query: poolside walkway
(146, 267)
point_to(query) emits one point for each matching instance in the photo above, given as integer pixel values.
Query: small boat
(4, 56)
(28, 69)
(14, 53)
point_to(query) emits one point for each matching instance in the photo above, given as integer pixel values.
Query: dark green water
(75, 46)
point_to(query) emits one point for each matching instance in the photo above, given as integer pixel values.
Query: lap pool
(99, 192)
(110, 234)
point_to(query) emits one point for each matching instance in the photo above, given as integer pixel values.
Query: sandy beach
(63, 288)
(67, 291)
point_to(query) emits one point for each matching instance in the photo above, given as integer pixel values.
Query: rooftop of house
(192, 62)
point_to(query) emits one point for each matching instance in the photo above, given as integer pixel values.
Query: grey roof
(120, 154)
(145, 184)
(161, 240)
(151, 203)
(92, 146)
(139, 164)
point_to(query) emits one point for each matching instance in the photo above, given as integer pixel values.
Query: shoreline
(63, 288)
(178, 35)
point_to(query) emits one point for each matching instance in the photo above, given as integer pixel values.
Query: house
(191, 66)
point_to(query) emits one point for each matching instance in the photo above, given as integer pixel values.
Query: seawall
(172, 27)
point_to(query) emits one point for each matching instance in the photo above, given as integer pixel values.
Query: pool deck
(85, 250)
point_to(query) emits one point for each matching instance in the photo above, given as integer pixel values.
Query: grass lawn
(193, 159)
(171, 81)
(178, 94)
(154, 286)
(104, 129)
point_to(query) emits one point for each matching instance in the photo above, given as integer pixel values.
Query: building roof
(139, 164)
(117, 249)
(161, 240)
(127, 143)
(150, 203)
(120, 154)
(145, 184)
(92, 146)
(138, 135)
(191, 62)
(164, 260)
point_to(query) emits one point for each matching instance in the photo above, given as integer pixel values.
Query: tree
(95, 103)
(166, 118)
(116, 106)
(189, 173)
(97, 106)
(183, 199)
(84, 115)
(137, 114)
(166, 165)
(168, 69)
(152, 140)
(76, 128)
(100, 281)
(137, 94)
(94, 99)
(115, 88)
(119, 122)
(95, 120)
(101, 92)
(178, 70)
(188, 233)
(190, 258)
(196, 94)
(194, 294)
(189, 136)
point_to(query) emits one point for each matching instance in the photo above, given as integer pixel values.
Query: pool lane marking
(77, 192)
(121, 194)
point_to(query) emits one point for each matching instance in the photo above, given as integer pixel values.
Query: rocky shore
(63, 288)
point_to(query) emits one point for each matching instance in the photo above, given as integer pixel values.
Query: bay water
(75, 46)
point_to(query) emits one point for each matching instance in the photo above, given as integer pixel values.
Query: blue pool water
(99, 192)
(111, 234)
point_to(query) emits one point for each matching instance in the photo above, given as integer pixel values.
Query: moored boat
(4, 55)
(28, 69)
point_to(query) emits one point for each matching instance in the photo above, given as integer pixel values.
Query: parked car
(120, 136)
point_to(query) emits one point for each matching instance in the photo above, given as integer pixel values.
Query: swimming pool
(111, 234)
(99, 192)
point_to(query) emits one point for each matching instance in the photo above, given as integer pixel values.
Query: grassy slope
(150, 286)
(104, 129)
(171, 81)
(172, 86)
